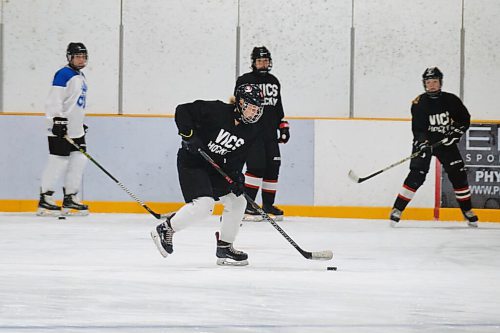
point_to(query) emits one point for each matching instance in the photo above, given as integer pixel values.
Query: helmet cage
(250, 109)
(250, 113)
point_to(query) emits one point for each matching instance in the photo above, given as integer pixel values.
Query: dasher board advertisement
(481, 153)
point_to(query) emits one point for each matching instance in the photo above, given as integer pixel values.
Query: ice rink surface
(102, 273)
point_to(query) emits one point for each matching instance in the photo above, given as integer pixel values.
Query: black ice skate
(229, 256)
(395, 216)
(274, 211)
(251, 214)
(471, 218)
(71, 206)
(47, 206)
(163, 235)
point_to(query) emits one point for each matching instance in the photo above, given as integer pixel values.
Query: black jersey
(214, 123)
(432, 117)
(273, 109)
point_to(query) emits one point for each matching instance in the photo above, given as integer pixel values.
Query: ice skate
(71, 206)
(471, 218)
(252, 215)
(229, 256)
(163, 235)
(47, 205)
(395, 216)
(275, 212)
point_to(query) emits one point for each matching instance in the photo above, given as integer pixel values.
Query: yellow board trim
(350, 212)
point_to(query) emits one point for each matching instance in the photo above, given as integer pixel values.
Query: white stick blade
(322, 255)
(353, 176)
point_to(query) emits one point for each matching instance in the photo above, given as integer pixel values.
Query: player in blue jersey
(65, 111)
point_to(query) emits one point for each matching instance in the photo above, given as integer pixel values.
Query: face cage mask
(253, 118)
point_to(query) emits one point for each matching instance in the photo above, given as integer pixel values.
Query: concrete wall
(176, 51)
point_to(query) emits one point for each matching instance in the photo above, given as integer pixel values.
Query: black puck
(62, 217)
(331, 268)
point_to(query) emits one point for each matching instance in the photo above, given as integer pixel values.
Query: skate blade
(47, 212)
(156, 239)
(472, 224)
(230, 262)
(394, 224)
(74, 212)
(252, 218)
(167, 215)
(276, 217)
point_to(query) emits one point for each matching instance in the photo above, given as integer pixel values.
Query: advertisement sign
(481, 153)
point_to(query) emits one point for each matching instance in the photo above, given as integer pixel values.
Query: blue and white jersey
(67, 98)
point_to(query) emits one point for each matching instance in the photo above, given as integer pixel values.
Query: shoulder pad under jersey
(416, 100)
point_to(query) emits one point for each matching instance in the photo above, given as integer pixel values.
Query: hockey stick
(320, 255)
(358, 179)
(158, 216)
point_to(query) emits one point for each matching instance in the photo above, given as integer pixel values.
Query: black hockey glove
(284, 132)
(238, 184)
(423, 147)
(453, 135)
(60, 127)
(192, 144)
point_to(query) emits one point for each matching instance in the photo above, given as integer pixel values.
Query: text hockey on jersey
(225, 143)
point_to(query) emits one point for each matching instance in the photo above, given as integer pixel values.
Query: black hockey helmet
(246, 95)
(432, 73)
(75, 48)
(260, 52)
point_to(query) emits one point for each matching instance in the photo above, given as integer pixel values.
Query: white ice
(102, 273)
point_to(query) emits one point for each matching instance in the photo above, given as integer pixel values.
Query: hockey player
(264, 160)
(437, 115)
(65, 110)
(225, 132)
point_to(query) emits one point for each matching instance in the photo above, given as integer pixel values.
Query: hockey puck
(61, 218)
(331, 268)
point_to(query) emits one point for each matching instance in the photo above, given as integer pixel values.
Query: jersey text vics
(439, 122)
(225, 142)
(271, 93)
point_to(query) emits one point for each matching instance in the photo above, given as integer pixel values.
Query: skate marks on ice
(102, 273)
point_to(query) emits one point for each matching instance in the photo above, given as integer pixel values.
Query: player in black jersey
(225, 132)
(437, 115)
(264, 159)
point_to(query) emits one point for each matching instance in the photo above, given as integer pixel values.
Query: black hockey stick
(320, 255)
(158, 216)
(358, 179)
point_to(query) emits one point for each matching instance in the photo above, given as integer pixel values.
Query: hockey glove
(284, 132)
(192, 144)
(60, 127)
(453, 135)
(238, 184)
(423, 147)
